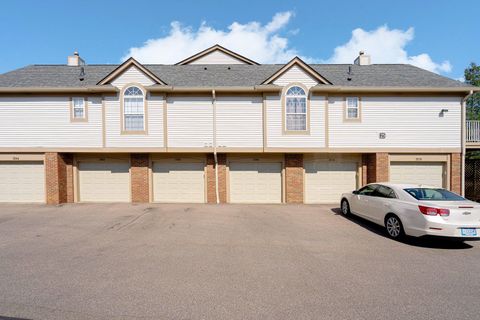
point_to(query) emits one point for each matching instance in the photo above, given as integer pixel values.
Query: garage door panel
(182, 182)
(22, 182)
(104, 181)
(255, 182)
(429, 173)
(325, 181)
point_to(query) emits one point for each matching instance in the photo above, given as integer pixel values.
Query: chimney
(362, 59)
(75, 60)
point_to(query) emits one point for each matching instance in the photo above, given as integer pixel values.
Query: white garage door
(255, 182)
(182, 182)
(105, 181)
(430, 173)
(325, 181)
(22, 182)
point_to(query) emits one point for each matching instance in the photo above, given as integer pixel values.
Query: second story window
(78, 105)
(352, 110)
(133, 109)
(296, 109)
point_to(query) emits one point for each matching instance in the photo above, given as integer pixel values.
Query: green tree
(472, 76)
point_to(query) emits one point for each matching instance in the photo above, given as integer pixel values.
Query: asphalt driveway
(125, 261)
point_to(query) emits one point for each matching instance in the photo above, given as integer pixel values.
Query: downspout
(214, 105)
(464, 148)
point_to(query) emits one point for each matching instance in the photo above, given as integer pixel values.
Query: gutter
(92, 89)
(260, 88)
(464, 142)
(345, 89)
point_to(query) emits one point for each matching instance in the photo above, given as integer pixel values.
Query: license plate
(469, 232)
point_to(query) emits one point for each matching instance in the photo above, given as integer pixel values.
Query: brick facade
(56, 178)
(222, 177)
(294, 178)
(456, 173)
(210, 179)
(377, 165)
(140, 177)
(68, 158)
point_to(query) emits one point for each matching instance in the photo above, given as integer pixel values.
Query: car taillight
(429, 211)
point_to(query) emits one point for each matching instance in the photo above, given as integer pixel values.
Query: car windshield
(435, 194)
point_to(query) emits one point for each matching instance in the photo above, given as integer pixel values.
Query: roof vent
(362, 59)
(75, 60)
(81, 76)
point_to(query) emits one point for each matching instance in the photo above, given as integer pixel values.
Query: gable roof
(375, 76)
(213, 48)
(297, 61)
(124, 66)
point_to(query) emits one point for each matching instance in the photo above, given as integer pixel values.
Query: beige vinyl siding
(296, 74)
(429, 173)
(40, 121)
(182, 182)
(132, 75)
(190, 122)
(104, 181)
(275, 134)
(409, 122)
(239, 122)
(255, 182)
(22, 181)
(217, 57)
(154, 118)
(325, 181)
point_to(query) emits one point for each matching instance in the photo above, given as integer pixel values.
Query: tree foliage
(472, 76)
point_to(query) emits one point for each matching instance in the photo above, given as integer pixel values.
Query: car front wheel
(345, 207)
(394, 227)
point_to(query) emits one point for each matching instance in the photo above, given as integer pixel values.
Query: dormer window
(133, 110)
(296, 109)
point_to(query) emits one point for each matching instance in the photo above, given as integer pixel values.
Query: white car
(415, 210)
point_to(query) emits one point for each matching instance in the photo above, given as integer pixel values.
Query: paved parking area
(122, 261)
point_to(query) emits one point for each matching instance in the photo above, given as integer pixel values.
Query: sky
(440, 36)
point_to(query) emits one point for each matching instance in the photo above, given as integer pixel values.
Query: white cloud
(262, 43)
(385, 45)
(267, 43)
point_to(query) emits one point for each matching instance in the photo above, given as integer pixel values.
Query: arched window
(296, 109)
(133, 109)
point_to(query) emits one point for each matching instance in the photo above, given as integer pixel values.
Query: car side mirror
(355, 191)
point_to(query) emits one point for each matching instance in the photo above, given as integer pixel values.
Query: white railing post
(473, 130)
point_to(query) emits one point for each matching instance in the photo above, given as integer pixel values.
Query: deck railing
(473, 131)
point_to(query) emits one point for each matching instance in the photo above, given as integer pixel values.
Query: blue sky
(441, 36)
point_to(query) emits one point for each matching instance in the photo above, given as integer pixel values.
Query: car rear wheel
(394, 227)
(345, 207)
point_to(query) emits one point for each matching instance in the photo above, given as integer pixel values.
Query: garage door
(255, 182)
(430, 173)
(104, 181)
(325, 181)
(182, 182)
(22, 182)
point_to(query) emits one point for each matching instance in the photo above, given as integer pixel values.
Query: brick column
(140, 177)
(456, 173)
(377, 165)
(294, 178)
(68, 158)
(56, 178)
(222, 177)
(211, 192)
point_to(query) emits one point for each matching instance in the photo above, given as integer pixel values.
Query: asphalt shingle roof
(375, 75)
